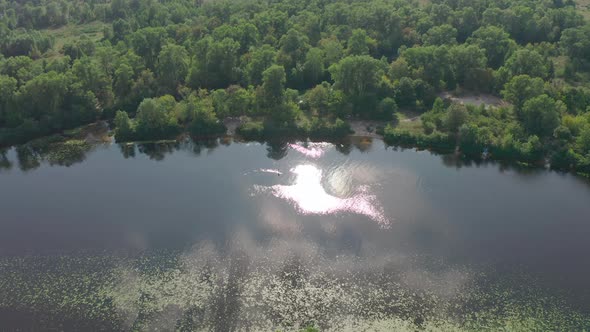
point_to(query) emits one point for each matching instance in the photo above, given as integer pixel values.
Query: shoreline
(99, 133)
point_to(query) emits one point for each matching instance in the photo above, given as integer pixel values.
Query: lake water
(244, 236)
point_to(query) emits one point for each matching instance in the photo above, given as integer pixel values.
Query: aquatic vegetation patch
(246, 288)
(54, 150)
(66, 290)
(68, 152)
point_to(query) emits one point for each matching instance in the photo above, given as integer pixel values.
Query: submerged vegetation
(203, 289)
(158, 69)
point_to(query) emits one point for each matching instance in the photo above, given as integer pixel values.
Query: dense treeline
(304, 67)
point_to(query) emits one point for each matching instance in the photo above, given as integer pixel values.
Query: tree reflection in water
(63, 153)
(5, 163)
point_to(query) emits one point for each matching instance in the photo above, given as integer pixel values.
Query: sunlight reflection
(310, 197)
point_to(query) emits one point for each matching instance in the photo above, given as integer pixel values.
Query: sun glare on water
(308, 195)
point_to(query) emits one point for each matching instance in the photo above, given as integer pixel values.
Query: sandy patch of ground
(232, 123)
(473, 99)
(366, 128)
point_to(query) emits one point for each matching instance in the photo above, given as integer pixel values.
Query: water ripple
(309, 196)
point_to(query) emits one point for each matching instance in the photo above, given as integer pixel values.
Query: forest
(157, 69)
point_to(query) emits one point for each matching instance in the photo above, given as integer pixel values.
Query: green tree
(473, 138)
(147, 43)
(244, 33)
(522, 88)
(541, 115)
(219, 99)
(143, 87)
(88, 73)
(425, 94)
(239, 100)
(42, 98)
(106, 57)
(22, 68)
(121, 29)
(456, 116)
(360, 43)
(333, 50)
(119, 8)
(317, 99)
(576, 42)
(496, 43)
(466, 21)
(204, 122)
(526, 62)
(81, 106)
(438, 106)
(132, 60)
(357, 76)
(583, 140)
(467, 61)
(433, 63)
(293, 48)
(59, 65)
(313, 68)
(273, 86)
(7, 94)
(172, 67)
(405, 93)
(441, 35)
(124, 130)
(326, 101)
(215, 65)
(386, 110)
(399, 68)
(154, 119)
(123, 83)
(82, 47)
(257, 61)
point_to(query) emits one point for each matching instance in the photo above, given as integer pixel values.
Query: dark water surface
(242, 236)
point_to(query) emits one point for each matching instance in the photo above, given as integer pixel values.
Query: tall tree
(360, 43)
(467, 62)
(313, 68)
(216, 64)
(273, 86)
(526, 62)
(148, 43)
(172, 67)
(92, 78)
(257, 61)
(154, 118)
(441, 35)
(522, 88)
(496, 43)
(7, 94)
(122, 85)
(542, 114)
(357, 75)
